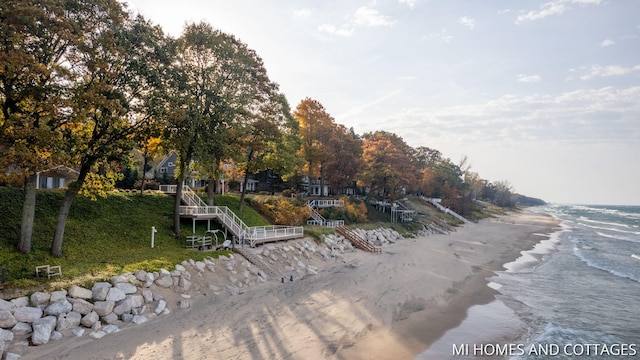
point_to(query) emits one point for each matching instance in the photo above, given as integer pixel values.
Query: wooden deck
(197, 209)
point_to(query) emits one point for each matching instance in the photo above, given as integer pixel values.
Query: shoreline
(364, 306)
(420, 331)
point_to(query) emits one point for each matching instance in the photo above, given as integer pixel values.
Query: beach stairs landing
(356, 240)
(317, 219)
(258, 262)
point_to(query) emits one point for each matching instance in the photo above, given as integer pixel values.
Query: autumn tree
(216, 84)
(345, 157)
(474, 184)
(316, 129)
(388, 164)
(34, 92)
(150, 145)
(116, 72)
(503, 194)
(269, 141)
(426, 157)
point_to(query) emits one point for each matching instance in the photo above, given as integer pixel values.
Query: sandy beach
(362, 306)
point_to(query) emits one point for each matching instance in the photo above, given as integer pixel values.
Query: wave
(617, 237)
(583, 218)
(592, 264)
(610, 229)
(560, 335)
(609, 211)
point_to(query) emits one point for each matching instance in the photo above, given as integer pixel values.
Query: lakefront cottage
(56, 178)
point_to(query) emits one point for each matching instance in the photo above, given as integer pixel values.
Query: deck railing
(196, 206)
(325, 203)
(436, 203)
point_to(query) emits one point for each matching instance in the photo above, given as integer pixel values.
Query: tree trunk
(244, 190)
(28, 214)
(144, 172)
(211, 189)
(176, 210)
(69, 196)
(322, 194)
(63, 214)
(245, 181)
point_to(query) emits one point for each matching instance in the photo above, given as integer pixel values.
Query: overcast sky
(543, 94)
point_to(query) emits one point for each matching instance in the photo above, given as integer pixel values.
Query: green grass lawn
(104, 237)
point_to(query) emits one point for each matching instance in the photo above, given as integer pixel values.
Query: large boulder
(123, 306)
(59, 307)
(40, 299)
(126, 288)
(160, 307)
(27, 314)
(42, 330)
(78, 292)
(20, 301)
(7, 320)
(141, 275)
(81, 306)
(115, 294)
(110, 318)
(68, 321)
(100, 290)
(7, 305)
(164, 281)
(22, 329)
(90, 319)
(57, 295)
(103, 308)
(6, 335)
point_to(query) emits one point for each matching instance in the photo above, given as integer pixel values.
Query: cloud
(344, 30)
(468, 22)
(609, 70)
(547, 9)
(553, 7)
(607, 42)
(302, 13)
(359, 109)
(605, 115)
(442, 36)
(410, 3)
(363, 17)
(528, 78)
(369, 17)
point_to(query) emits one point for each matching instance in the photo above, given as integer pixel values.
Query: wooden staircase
(253, 258)
(356, 240)
(436, 203)
(319, 219)
(197, 209)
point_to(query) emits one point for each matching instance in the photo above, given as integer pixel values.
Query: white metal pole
(153, 233)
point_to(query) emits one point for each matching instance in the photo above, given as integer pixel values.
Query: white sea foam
(611, 229)
(618, 237)
(560, 335)
(578, 252)
(586, 219)
(607, 211)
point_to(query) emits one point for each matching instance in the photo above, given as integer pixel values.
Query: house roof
(60, 169)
